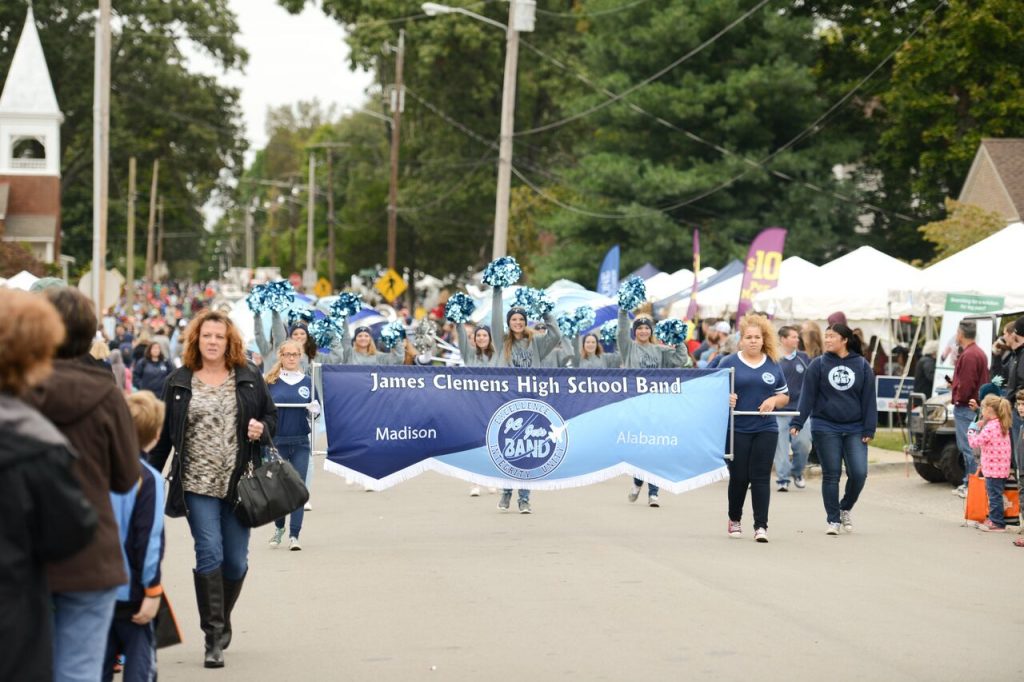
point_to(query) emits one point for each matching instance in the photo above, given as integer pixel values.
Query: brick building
(30, 150)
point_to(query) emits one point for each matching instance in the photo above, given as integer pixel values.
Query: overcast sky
(291, 58)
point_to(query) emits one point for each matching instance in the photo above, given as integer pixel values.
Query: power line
(633, 88)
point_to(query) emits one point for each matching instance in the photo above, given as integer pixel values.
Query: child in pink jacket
(993, 438)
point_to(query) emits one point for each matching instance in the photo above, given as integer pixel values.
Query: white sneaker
(833, 529)
(846, 520)
(799, 482)
(293, 544)
(783, 487)
(761, 534)
(735, 529)
(652, 501)
(474, 491)
(275, 539)
(960, 491)
(634, 493)
(308, 506)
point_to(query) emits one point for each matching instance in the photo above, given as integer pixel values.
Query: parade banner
(608, 276)
(764, 260)
(540, 429)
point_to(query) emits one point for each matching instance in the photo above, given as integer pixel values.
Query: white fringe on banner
(600, 476)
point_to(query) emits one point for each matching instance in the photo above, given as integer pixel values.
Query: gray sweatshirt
(603, 361)
(526, 352)
(648, 355)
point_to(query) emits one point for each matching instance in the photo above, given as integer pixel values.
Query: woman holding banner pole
(759, 386)
(641, 352)
(520, 349)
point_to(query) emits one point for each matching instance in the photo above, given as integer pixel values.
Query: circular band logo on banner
(526, 439)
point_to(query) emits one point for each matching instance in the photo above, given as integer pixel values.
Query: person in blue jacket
(140, 520)
(289, 385)
(839, 397)
(759, 386)
(151, 370)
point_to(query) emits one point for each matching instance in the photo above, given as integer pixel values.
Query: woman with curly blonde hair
(758, 386)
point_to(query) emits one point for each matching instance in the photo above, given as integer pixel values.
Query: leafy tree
(159, 110)
(964, 225)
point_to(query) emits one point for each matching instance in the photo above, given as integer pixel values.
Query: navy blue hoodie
(839, 395)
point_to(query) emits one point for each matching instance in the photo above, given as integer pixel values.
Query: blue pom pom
(585, 317)
(324, 331)
(392, 334)
(346, 304)
(458, 308)
(632, 293)
(299, 315)
(536, 302)
(610, 333)
(256, 300)
(568, 325)
(673, 332)
(278, 295)
(503, 272)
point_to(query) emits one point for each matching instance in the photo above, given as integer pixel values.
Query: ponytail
(1001, 407)
(853, 343)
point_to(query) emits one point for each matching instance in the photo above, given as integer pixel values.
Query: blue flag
(608, 276)
(540, 429)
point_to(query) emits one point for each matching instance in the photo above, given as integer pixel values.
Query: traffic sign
(390, 285)
(322, 288)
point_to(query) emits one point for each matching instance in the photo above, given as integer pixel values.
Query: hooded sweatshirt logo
(842, 378)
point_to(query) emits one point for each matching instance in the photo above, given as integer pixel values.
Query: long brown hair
(275, 371)
(489, 351)
(234, 354)
(510, 339)
(583, 343)
(811, 337)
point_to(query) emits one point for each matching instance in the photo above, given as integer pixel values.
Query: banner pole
(732, 389)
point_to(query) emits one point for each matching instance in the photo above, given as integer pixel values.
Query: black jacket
(924, 375)
(46, 517)
(1014, 374)
(254, 402)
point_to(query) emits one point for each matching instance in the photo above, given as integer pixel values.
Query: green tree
(964, 225)
(159, 110)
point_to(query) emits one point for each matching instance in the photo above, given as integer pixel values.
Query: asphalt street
(423, 582)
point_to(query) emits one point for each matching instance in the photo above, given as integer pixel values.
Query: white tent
(23, 280)
(990, 267)
(722, 299)
(857, 284)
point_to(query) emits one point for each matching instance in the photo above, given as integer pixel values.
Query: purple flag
(764, 260)
(691, 312)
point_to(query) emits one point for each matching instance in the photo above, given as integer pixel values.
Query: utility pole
(100, 153)
(309, 276)
(151, 226)
(129, 289)
(330, 217)
(250, 250)
(508, 109)
(160, 231)
(397, 104)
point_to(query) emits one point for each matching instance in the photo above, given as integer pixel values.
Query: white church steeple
(29, 115)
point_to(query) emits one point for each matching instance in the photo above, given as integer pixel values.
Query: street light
(520, 19)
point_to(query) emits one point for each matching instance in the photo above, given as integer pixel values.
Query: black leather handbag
(268, 489)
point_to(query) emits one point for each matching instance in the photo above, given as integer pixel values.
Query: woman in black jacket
(151, 371)
(219, 410)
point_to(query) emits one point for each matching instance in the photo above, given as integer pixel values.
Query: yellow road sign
(322, 288)
(390, 285)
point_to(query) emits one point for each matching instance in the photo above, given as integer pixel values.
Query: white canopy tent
(722, 299)
(23, 280)
(990, 267)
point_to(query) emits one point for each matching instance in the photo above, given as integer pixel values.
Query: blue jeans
(963, 417)
(801, 450)
(220, 540)
(524, 495)
(81, 623)
(138, 644)
(296, 451)
(652, 490)
(994, 488)
(834, 449)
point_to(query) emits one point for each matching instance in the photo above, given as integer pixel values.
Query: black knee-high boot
(232, 588)
(210, 598)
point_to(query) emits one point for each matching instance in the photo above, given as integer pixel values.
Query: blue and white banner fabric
(535, 429)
